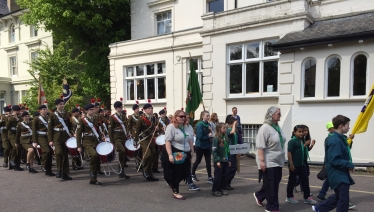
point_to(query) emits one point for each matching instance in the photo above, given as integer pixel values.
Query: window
(359, 75)
(163, 23)
(333, 77)
(198, 64)
(13, 66)
(215, 6)
(249, 135)
(309, 78)
(2, 102)
(33, 57)
(33, 31)
(252, 68)
(23, 93)
(16, 99)
(146, 81)
(12, 34)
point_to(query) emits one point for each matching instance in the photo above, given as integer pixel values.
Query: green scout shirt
(297, 149)
(221, 151)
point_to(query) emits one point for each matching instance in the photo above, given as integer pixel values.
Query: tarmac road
(22, 191)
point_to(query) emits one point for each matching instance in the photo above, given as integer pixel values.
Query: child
(232, 137)
(221, 153)
(297, 166)
(308, 143)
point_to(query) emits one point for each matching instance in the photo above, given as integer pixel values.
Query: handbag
(179, 157)
(322, 175)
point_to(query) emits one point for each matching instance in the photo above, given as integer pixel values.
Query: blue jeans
(339, 200)
(325, 188)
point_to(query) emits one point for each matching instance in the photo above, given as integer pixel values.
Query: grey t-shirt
(268, 139)
(176, 137)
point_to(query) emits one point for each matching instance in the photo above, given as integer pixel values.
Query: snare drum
(160, 141)
(130, 149)
(71, 143)
(105, 150)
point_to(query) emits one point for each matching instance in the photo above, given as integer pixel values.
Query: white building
(310, 79)
(18, 43)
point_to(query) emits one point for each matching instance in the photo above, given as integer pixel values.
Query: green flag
(194, 96)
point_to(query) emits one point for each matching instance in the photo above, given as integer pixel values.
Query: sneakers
(210, 180)
(310, 200)
(194, 178)
(351, 206)
(193, 187)
(270, 211)
(257, 201)
(223, 192)
(321, 198)
(292, 200)
(314, 208)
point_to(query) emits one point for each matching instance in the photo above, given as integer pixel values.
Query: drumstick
(141, 162)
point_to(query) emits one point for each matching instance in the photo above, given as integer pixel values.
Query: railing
(249, 135)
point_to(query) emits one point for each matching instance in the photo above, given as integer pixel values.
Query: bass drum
(105, 150)
(130, 148)
(71, 143)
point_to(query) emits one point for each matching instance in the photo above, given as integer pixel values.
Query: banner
(66, 92)
(239, 148)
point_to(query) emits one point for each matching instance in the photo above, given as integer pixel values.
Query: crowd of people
(48, 131)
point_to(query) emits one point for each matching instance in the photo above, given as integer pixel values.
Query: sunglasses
(182, 117)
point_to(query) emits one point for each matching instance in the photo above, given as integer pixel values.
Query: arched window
(310, 78)
(359, 75)
(333, 77)
(12, 34)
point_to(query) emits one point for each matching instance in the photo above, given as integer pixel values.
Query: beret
(88, 106)
(16, 108)
(41, 107)
(58, 101)
(117, 104)
(25, 114)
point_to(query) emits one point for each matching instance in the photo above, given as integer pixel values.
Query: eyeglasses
(182, 117)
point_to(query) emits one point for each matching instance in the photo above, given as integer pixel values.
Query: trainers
(314, 208)
(270, 211)
(292, 200)
(321, 198)
(210, 180)
(351, 206)
(194, 178)
(193, 187)
(223, 192)
(257, 201)
(310, 200)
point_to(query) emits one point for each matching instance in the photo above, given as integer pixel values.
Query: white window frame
(12, 33)
(2, 101)
(144, 77)
(249, 135)
(32, 58)
(199, 71)
(171, 22)
(327, 75)
(33, 31)
(261, 59)
(13, 67)
(303, 78)
(352, 74)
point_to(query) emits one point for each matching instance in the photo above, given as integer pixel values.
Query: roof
(330, 31)
(3, 7)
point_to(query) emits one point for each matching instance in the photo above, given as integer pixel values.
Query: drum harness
(153, 135)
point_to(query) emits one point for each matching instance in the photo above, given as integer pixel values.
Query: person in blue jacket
(203, 145)
(338, 161)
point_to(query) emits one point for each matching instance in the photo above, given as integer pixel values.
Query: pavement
(23, 191)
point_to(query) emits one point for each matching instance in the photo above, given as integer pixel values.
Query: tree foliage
(87, 26)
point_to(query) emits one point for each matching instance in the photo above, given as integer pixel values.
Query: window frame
(208, 6)
(171, 21)
(33, 31)
(326, 86)
(144, 77)
(351, 80)
(199, 71)
(261, 60)
(303, 78)
(10, 65)
(2, 101)
(12, 33)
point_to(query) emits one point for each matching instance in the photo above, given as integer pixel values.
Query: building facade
(236, 48)
(18, 45)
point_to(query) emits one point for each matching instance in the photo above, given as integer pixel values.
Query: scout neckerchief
(185, 136)
(276, 127)
(27, 127)
(204, 124)
(63, 123)
(92, 128)
(235, 137)
(115, 116)
(302, 148)
(43, 121)
(227, 149)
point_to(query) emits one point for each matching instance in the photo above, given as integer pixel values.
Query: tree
(51, 67)
(87, 26)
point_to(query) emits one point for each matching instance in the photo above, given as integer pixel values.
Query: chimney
(13, 6)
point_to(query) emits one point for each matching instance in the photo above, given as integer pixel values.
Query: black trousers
(339, 200)
(270, 188)
(199, 155)
(232, 169)
(301, 172)
(221, 176)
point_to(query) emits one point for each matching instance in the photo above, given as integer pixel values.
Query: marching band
(91, 135)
